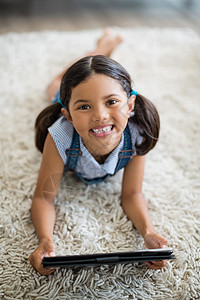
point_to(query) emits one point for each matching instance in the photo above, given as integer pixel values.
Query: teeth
(105, 129)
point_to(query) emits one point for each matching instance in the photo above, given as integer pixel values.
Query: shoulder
(62, 133)
(136, 133)
(62, 125)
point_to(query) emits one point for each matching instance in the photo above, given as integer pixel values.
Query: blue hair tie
(59, 101)
(133, 92)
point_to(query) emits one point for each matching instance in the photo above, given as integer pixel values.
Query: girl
(96, 126)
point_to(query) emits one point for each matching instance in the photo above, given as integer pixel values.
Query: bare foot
(105, 46)
(107, 43)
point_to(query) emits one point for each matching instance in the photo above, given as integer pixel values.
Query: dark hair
(145, 114)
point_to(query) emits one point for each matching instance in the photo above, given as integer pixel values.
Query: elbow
(42, 200)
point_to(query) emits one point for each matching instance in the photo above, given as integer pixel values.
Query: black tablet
(108, 258)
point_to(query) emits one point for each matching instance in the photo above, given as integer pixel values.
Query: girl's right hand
(45, 248)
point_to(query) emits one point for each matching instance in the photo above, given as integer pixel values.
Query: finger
(164, 245)
(37, 265)
(156, 264)
(49, 251)
(30, 260)
(36, 262)
(161, 263)
(151, 266)
(46, 271)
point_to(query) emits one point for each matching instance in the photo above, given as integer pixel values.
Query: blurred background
(72, 15)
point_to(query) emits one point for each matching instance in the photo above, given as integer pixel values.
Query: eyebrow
(81, 101)
(87, 101)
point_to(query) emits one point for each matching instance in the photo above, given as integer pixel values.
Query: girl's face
(99, 111)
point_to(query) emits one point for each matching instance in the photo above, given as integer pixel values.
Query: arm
(136, 208)
(42, 210)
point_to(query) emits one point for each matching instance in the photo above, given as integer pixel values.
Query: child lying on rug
(96, 126)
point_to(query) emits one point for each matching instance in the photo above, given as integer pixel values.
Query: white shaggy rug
(165, 64)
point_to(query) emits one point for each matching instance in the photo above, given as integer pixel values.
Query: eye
(111, 102)
(84, 107)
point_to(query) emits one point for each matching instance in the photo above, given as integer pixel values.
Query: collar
(111, 161)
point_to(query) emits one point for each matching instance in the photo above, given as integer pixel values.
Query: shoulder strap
(126, 153)
(73, 152)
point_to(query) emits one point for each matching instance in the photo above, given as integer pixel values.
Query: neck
(101, 151)
(100, 158)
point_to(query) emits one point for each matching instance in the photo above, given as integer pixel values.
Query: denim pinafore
(74, 152)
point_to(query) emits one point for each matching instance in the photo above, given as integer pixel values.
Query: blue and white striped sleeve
(62, 133)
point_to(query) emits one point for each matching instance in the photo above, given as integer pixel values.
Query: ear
(66, 115)
(131, 103)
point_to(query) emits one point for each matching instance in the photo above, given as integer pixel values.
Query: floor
(66, 15)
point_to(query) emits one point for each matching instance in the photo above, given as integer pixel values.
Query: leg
(105, 46)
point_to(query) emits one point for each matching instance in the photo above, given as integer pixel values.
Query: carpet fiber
(165, 66)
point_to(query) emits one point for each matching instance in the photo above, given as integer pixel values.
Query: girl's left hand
(155, 241)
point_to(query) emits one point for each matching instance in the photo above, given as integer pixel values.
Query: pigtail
(148, 121)
(43, 121)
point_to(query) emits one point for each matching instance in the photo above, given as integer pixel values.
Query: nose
(100, 114)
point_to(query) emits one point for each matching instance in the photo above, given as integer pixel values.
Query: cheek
(122, 113)
(80, 122)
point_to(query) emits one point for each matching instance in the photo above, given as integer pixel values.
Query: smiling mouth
(102, 131)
